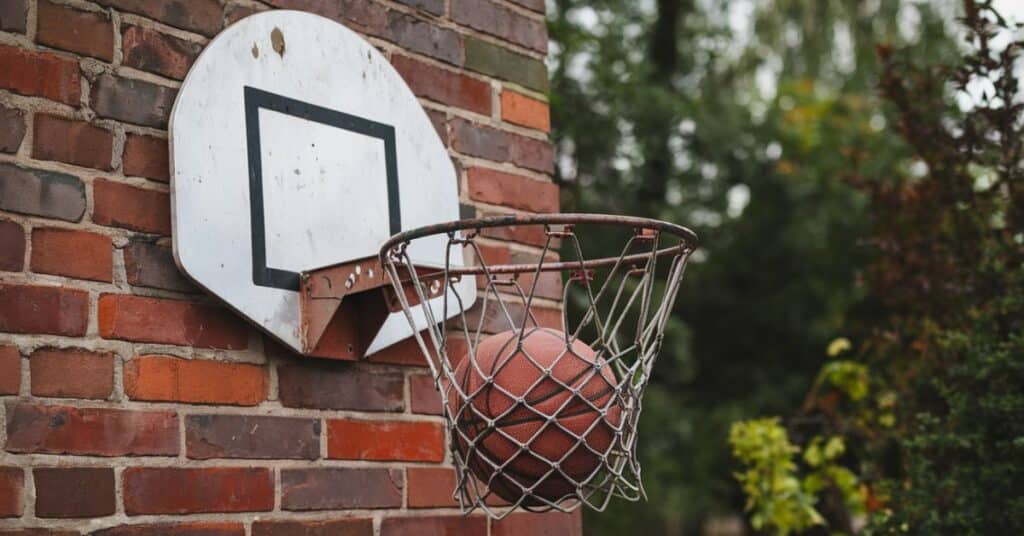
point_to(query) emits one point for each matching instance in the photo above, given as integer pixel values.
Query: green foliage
(776, 499)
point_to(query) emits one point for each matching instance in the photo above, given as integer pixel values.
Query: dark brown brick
(71, 492)
(12, 484)
(72, 253)
(12, 129)
(170, 490)
(330, 385)
(132, 101)
(434, 526)
(532, 153)
(139, 209)
(444, 86)
(340, 488)
(234, 13)
(151, 265)
(495, 320)
(493, 18)
(89, 33)
(486, 142)
(10, 370)
(434, 7)
(251, 436)
(491, 59)
(367, 17)
(41, 193)
(40, 74)
(333, 527)
(203, 16)
(71, 373)
(423, 395)
(12, 246)
(146, 156)
(13, 15)
(440, 122)
(426, 38)
(36, 309)
(535, 5)
(546, 524)
(202, 528)
(35, 428)
(74, 142)
(150, 50)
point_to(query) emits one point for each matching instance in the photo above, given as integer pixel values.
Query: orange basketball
(525, 403)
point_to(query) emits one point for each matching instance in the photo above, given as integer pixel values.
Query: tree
(667, 109)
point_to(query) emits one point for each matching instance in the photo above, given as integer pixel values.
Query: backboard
(295, 145)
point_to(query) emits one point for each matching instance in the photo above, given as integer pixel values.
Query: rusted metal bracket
(344, 305)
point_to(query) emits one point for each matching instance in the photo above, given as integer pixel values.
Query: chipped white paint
(324, 188)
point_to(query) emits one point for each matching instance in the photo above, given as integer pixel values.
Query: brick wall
(134, 404)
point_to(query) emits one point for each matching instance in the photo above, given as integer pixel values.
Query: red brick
(532, 235)
(500, 188)
(39, 429)
(34, 309)
(71, 373)
(546, 524)
(12, 246)
(203, 16)
(160, 320)
(234, 12)
(89, 33)
(138, 209)
(434, 526)
(40, 74)
(526, 111)
(493, 18)
(203, 528)
(431, 487)
(12, 484)
(444, 86)
(38, 532)
(146, 156)
(251, 436)
(332, 527)
(423, 395)
(74, 142)
(13, 16)
(71, 253)
(72, 492)
(194, 381)
(12, 129)
(10, 370)
(385, 440)
(132, 100)
(200, 490)
(368, 17)
(332, 385)
(156, 52)
(340, 488)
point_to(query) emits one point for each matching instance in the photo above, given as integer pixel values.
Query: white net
(542, 387)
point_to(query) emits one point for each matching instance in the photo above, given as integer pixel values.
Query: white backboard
(296, 145)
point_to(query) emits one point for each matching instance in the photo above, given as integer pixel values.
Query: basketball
(568, 417)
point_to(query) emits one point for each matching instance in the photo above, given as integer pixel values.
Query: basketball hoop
(542, 417)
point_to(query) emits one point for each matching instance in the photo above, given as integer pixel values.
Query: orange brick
(195, 381)
(160, 320)
(77, 254)
(385, 440)
(526, 111)
(138, 209)
(71, 373)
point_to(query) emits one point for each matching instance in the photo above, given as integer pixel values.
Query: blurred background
(784, 133)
